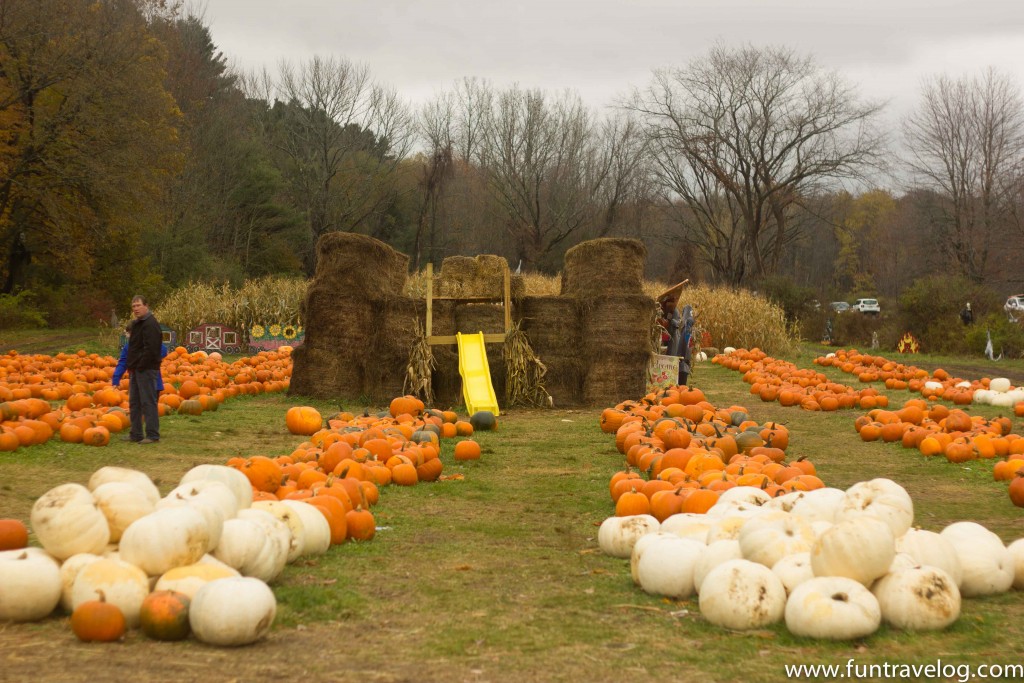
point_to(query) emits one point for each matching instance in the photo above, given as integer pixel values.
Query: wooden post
(430, 297)
(508, 300)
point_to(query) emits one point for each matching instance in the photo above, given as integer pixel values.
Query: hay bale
(615, 377)
(342, 322)
(486, 318)
(552, 324)
(564, 377)
(617, 324)
(354, 265)
(480, 276)
(610, 266)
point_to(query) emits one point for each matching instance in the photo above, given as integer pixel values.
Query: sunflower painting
(271, 336)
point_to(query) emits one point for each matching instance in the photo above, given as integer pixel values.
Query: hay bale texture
(354, 274)
(479, 276)
(617, 346)
(552, 325)
(606, 266)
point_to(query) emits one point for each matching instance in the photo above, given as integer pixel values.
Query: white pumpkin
(30, 585)
(999, 385)
(123, 474)
(121, 503)
(274, 556)
(638, 551)
(751, 495)
(931, 549)
(617, 535)
(900, 562)
(716, 553)
(289, 517)
(932, 384)
(229, 476)
(860, 549)
(666, 566)
(214, 492)
(768, 538)
(189, 579)
(121, 584)
(1017, 553)
(69, 572)
(832, 608)
(317, 530)
(880, 498)
(988, 567)
(211, 511)
(819, 505)
(793, 570)
(230, 612)
(918, 599)
(67, 521)
(983, 396)
(165, 539)
(728, 349)
(741, 595)
(963, 385)
(687, 525)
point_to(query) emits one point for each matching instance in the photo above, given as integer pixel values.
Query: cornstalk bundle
(421, 365)
(524, 372)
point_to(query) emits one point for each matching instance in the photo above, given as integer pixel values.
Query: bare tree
(740, 136)
(536, 154)
(344, 136)
(966, 144)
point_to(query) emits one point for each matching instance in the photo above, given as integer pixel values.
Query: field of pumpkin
(496, 568)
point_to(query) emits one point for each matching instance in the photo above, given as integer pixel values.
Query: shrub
(1007, 337)
(930, 308)
(796, 302)
(19, 311)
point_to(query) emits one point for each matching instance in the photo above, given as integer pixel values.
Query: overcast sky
(601, 48)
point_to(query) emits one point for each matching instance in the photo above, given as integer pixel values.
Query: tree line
(132, 158)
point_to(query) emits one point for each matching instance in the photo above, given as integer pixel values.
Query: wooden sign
(663, 372)
(273, 336)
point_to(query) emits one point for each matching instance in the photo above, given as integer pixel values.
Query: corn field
(265, 300)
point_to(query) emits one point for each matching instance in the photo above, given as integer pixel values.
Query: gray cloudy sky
(601, 48)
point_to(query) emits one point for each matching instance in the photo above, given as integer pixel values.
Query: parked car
(866, 306)
(840, 306)
(1014, 307)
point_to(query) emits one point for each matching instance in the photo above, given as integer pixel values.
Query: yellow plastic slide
(477, 390)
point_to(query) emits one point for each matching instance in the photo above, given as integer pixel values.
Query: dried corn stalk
(524, 372)
(420, 368)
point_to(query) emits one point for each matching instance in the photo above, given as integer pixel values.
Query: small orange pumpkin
(13, 534)
(467, 450)
(98, 620)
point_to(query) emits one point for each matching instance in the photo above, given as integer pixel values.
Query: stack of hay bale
(605, 276)
(357, 277)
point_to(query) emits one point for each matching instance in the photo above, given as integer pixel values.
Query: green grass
(498, 576)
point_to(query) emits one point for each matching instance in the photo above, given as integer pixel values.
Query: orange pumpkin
(98, 620)
(13, 534)
(467, 450)
(303, 420)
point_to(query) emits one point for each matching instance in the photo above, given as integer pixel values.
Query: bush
(1007, 337)
(930, 309)
(18, 311)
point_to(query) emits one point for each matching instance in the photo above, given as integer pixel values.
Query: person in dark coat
(967, 315)
(122, 363)
(143, 365)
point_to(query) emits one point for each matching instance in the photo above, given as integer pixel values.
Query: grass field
(498, 577)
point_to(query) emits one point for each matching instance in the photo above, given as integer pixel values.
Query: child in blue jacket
(122, 362)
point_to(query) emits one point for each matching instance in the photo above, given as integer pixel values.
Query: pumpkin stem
(103, 596)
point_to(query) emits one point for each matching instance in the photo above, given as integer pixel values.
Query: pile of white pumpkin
(833, 564)
(1000, 393)
(206, 539)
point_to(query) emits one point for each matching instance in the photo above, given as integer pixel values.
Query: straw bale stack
(606, 266)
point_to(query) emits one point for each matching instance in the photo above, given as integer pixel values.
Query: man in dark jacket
(143, 362)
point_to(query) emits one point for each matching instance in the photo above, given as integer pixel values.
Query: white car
(1014, 306)
(866, 306)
